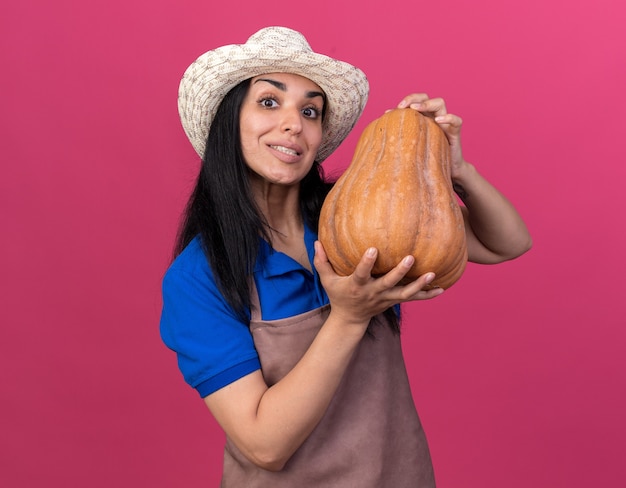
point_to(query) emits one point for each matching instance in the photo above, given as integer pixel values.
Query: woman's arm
(495, 231)
(269, 424)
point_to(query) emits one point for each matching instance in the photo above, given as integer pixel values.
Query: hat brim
(207, 81)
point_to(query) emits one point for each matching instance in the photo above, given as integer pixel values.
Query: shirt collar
(273, 263)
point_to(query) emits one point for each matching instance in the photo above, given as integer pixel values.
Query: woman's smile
(286, 150)
(287, 153)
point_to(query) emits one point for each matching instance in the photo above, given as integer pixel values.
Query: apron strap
(255, 303)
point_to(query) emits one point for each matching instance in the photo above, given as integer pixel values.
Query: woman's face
(281, 127)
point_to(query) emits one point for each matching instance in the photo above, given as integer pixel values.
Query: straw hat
(271, 50)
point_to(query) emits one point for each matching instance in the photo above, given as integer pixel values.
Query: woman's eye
(268, 103)
(311, 112)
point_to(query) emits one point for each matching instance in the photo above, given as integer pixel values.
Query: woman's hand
(449, 123)
(359, 297)
(494, 229)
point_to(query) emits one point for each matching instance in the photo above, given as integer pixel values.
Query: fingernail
(408, 261)
(430, 277)
(402, 104)
(371, 252)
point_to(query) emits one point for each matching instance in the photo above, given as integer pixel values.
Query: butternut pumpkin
(396, 195)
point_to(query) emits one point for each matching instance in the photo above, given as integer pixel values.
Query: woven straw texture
(273, 49)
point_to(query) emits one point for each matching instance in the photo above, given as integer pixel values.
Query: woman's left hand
(449, 123)
(494, 229)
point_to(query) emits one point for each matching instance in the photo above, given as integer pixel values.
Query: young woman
(302, 368)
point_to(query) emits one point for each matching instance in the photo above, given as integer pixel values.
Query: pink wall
(519, 371)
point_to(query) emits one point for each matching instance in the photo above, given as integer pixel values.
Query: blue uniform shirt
(213, 347)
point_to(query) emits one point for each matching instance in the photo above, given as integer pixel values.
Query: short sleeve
(213, 347)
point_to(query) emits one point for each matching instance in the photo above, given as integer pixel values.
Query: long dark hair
(222, 211)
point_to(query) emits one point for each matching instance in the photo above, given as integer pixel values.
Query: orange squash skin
(397, 196)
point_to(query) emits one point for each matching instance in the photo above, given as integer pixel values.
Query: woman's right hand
(359, 297)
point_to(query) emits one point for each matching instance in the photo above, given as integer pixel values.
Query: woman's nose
(292, 121)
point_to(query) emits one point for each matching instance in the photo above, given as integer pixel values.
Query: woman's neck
(280, 207)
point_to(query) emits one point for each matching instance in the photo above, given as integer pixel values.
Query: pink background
(519, 370)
